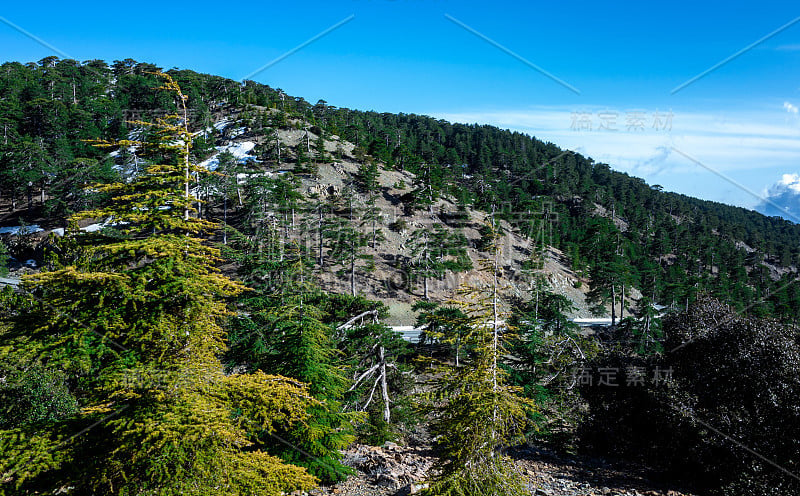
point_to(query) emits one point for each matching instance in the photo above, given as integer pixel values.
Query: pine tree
(475, 412)
(375, 348)
(347, 243)
(444, 326)
(435, 251)
(367, 180)
(320, 154)
(3, 259)
(283, 332)
(133, 316)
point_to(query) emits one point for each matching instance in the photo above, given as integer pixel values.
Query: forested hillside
(616, 230)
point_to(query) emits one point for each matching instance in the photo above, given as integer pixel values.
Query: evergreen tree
(347, 243)
(69, 193)
(3, 259)
(303, 164)
(435, 251)
(367, 180)
(320, 154)
(227, 184)
(133, 317)
(475, 411)
(283, 332)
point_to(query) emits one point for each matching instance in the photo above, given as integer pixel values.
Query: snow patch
(16, 230)
(240, 151)
(92, 227)
(237, 132)
(219, 126)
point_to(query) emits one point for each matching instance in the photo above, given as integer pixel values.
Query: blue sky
(730, 136)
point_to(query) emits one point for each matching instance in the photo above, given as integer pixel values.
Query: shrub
(731, 404)
(399, 225)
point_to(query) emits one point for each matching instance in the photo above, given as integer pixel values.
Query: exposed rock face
(323, 190)
(391, 465)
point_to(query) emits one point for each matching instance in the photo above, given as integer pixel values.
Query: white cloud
(783, 198)
(790, 108)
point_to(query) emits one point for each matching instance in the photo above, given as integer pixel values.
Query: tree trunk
(186, 176)
(373, 229)
(495, 328)
(613, 305)
(353, 273)
(458, 347)
(319, 231)
(225, 221)
(384, 388)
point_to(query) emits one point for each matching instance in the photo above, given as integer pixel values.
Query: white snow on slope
(240, 151)
(219, 126)
(237, 132)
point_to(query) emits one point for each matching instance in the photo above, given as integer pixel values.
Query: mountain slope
(612, 229)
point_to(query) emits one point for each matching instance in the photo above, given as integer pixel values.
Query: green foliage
(347, 243)
(320, 155)
(545, 352)
(445, 326)
(474, 411)
(303, 164)
(399, 225)
(132, 317)
(47, 108)
(3, 259)
(69, 194)
(283, 332)
(435, 251)
(643, 333)
(378, 357)
(488, 238)
(34, 396)
(493, 475)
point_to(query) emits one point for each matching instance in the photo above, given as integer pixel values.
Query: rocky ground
(394, 470)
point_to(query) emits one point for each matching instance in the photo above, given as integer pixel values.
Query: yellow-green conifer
(133, 316)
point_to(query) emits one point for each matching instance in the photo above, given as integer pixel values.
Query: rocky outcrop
(323, 190)
(391, 465)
